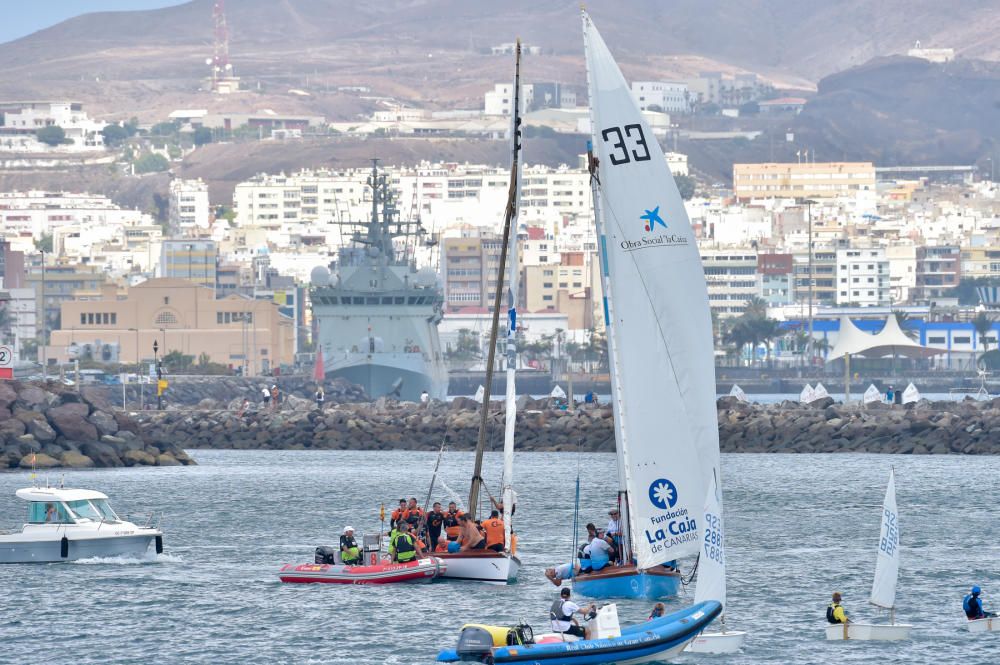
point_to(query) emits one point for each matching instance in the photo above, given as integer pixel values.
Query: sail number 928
(618, 137)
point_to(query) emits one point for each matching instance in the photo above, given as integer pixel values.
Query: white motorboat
(884, 584)
(70, 524)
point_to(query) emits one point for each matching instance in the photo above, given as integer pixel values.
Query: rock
(11, 428)
(41, 430)
(33, 396)
(103, 454)
(104, 422)
(134, 457)
(70, 421)
(39, 461)
(74, 460)
(7, 394)
(166, 459)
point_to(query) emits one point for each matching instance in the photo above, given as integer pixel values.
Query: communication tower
(222, 80)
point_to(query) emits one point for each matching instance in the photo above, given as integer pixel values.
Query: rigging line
(645, 288)
(576, 517)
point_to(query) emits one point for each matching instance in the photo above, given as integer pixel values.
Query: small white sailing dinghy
(712, 578)
(884, 584)
(987, 625)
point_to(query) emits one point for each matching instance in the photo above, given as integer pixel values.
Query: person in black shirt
(350, 553)
(435, 519)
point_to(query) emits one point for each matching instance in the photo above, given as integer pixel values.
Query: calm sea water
(799, 527)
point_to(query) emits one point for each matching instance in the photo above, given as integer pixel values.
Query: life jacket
(556, 612)
(413, 516)
(494, 532)
(452, 527)
(442, 546)
(973, 610)
(405, 550)
(349, 550)
(397, 515)
(829, 613)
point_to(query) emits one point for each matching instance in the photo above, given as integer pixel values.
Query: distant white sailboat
(712, 577)
(873, 394)
(807, 395)
(738, 393)
(884, 584)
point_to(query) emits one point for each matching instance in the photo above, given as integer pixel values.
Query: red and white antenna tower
(221, 67)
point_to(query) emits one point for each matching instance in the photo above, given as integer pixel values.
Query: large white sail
(887, 563)
(513, 274)
(665, 363)
(712, 560)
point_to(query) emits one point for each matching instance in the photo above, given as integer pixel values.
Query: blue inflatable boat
(653, 640)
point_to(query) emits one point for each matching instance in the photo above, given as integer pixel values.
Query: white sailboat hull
(488, 568)
(727, 641)
(869, 632)
(988, 625)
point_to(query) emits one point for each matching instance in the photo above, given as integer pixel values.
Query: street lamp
(809, 342)
(138, 366)
(156, 363)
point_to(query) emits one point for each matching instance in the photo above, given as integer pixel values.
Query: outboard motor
(326, 555)
(475, 643)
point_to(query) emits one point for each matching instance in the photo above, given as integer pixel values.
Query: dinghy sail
(660, 333)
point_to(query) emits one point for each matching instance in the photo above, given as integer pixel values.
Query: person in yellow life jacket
(835, 612)
(406, 547)
(350, 553)
(494, 528)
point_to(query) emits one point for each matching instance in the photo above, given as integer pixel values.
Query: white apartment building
(731, 275)
(20, 121)
(500, 100)
(21, 307)
(863, 278)
(189, 206)
(26, 216)
(669, 96)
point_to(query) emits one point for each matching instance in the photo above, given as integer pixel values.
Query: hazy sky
(23, 17)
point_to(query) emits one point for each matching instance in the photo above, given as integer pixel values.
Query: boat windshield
(104, 508)
(85, 509)
(48, 512)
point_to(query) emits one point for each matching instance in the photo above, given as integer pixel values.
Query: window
(114, 318)
(40, 512)
(165, 319)
(218, 317)
(961, 340)
(935, 340)
(90, 319)
(546, 297)
(83, 319)
(83, 508)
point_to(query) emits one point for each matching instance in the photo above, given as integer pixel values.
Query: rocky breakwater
(967, 427)
(382, 425)
(51, 426)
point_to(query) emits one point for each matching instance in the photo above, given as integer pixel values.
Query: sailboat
(659, 341)
(486, 565)
(884, 584)
(712, 577)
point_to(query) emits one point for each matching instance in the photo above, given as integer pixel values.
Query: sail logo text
(676, 532)
(661, 240)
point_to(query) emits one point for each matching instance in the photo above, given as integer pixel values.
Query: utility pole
(809, 342)
(45, 360)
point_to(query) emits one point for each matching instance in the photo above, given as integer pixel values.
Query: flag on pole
(381, 513)
(318, 370)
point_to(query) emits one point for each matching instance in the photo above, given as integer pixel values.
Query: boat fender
(64, 547)
(159, 544)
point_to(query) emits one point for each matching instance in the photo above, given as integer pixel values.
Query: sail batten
(658, 311)
(887, 562)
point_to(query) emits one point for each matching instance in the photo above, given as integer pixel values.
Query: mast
(616, 389)
(509, 212)
(513, 273)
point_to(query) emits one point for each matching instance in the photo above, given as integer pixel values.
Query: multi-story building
(570, 286)
(775, 284)
(731, 275)
(190, 259)
(465, 262)
(12, 275)
(938, 271)
(902, 259)
(22, 322)
(500, 100)
(665, 96)
(181, 316)
(56, 284)
(189, 207)
(824, 276)
(19, 122)
(803, 180)
(981, 261)
(863, 278)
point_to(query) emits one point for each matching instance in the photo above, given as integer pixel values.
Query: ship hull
(380, 380)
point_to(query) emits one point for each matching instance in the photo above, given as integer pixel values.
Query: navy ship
(377, 314)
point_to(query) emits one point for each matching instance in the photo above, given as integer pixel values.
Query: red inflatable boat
(421, 570)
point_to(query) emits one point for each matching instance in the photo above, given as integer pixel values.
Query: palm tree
(903, 319)
(756, 308)
(768, 330)
(983, 323)
(737, 334)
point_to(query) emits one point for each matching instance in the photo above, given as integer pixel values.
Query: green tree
(983, 323)
(685, 185)
(202, 135)
(52, 135)
(44, 243)
(151, 163)
(466, 347)
(114, 135)
(164, 129)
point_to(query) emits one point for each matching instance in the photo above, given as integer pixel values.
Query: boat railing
(145, 520)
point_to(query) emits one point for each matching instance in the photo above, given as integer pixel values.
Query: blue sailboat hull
(633, 584)
(651, 640)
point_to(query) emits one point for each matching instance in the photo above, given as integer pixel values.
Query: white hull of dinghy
(729, 641)
(492, 567)
(869, 632)
(988, 625)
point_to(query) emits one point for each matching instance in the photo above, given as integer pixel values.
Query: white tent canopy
(891, 340)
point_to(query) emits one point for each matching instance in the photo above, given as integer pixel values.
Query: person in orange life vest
(494, 528)
(398, 515)
(452, 522)
(414, 515)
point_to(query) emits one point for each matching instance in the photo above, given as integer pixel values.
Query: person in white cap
(350, 554)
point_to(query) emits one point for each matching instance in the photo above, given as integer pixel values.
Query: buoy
(159, 544)
(64, 547)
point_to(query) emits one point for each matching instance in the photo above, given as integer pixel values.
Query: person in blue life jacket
(835, 612)
(972, 604)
